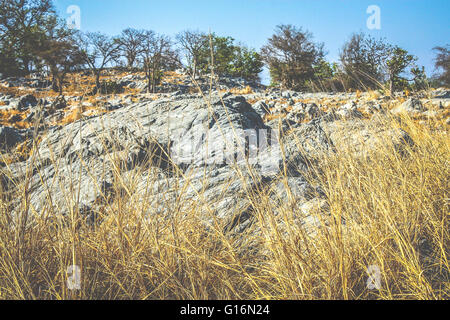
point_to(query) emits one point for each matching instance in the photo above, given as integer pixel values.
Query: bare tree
(363, 59)
(192, 43)
(97, 51)
(291, 55)
(156, 53)
(130, 44)
(442, 61)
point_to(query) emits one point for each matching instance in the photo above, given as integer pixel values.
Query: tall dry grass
(386, 209)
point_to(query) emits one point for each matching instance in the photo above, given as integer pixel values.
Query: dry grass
(238, 91)
(385, 210)
(7, 115)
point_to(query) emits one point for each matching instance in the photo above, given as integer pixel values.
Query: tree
(21, 23)
(362, 59)
(442, 62)
(323, 70)
(246, 64)
(397, 61)
(130, 43)
(156, 54)
(60, 53)
(420, 78)
(97, 50)
(217, 55)
(192, 44)
(291, 55)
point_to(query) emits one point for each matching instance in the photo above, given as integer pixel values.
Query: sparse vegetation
(378, 196)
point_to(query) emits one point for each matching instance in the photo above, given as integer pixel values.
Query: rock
(349, 111)
(59, 103)
(370, 107)
(412, 107)
(261, 108)
(14, 118)
(157, 148)
(283, 125)
(286, 94)
(442, 94)
(110, 106)
(362, 138)
(26, 102)
(9, 138)
(303, 148)
(298, 107)
(312, 110)
(42, 102)
(296, 116)
(127, 138)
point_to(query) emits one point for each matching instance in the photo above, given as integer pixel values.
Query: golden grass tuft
(245, 90)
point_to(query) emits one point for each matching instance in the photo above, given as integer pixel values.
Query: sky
(415, 25)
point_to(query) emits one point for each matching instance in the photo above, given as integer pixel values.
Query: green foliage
(217, 52)
(397, 60)
(324, 70)
(420, 81)
(22, 25)
(229, 59)
(247, 64)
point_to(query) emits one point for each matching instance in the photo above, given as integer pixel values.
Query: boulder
(86, 154)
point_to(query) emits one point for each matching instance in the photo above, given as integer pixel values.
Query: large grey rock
(81, 162)
(183, 153)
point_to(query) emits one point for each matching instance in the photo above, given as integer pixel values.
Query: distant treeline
(33, 39)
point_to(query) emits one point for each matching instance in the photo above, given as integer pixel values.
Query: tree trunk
(149, 80)
(391, 85)
(55, 86)
(61, 84)
(195, 69)
(97, 82)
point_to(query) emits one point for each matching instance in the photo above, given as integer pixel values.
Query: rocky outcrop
(178, 151)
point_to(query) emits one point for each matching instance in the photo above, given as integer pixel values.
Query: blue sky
(416, 25)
